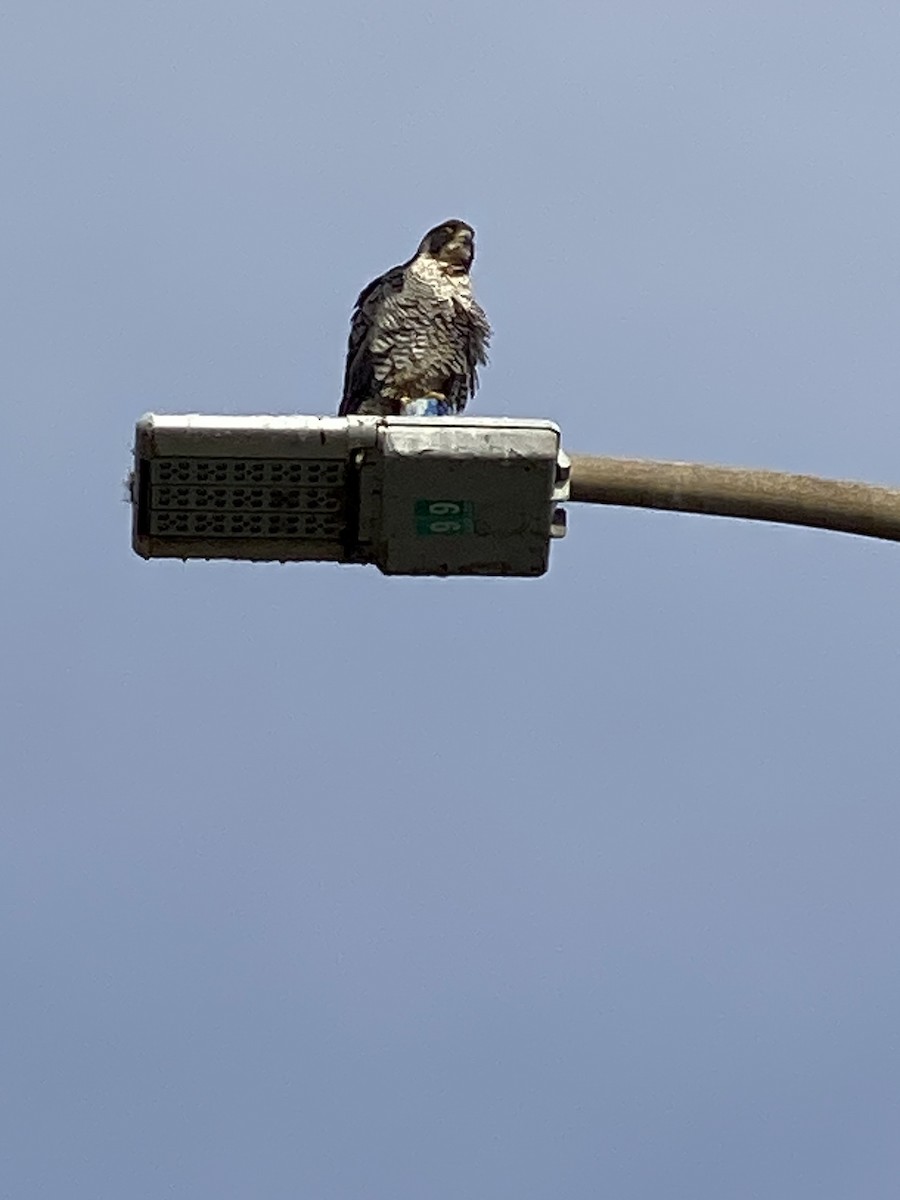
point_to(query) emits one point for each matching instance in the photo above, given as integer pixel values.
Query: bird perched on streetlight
(417, 335)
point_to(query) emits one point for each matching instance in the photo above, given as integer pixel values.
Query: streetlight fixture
(426, 495)
(412, 495)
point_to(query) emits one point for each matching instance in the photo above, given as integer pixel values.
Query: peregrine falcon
(417, 333)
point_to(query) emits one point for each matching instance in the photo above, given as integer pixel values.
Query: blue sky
(316, 883)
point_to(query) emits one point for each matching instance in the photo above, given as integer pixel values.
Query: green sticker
(444, 516)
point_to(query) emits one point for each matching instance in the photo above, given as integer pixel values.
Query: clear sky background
(320, 884)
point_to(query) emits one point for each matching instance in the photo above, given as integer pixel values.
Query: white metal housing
(413, 495)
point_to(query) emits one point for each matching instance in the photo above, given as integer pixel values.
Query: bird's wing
(477, 345)
(359, 377)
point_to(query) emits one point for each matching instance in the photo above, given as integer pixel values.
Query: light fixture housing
(411, 495)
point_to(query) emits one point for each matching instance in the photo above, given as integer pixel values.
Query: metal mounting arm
(837, 504)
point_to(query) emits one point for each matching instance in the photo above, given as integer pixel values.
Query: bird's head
(452, 243)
